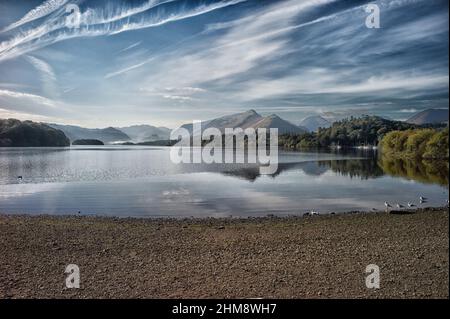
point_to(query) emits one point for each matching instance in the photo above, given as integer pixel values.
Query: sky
(169, 62)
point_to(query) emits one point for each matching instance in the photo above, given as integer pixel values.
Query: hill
(144, 133)
(107, 135)
(27, 133)
(313, 123)
(249, 119)
(429, 116)
(284, 127)
(366, 130)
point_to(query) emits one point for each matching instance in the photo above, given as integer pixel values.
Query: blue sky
(167, 62)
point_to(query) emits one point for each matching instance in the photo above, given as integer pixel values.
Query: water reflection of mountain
(311, 168)
(314, 168)
(431, 172)
(361, 168)
(252, 173)
(367, 168)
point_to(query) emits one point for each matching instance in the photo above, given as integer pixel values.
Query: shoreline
(165, 218)
(258, 257)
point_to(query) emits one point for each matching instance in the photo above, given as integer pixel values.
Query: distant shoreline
(272, 257)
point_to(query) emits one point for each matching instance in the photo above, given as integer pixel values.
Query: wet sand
(292, 257)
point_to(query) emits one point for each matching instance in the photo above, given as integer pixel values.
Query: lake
(142, 182)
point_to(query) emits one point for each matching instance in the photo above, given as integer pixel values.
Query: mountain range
(43, 134)
(106, 135)
(429, 116)
(145, 133)
(248, 119)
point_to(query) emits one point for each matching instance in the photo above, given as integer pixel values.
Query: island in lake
(88, 142)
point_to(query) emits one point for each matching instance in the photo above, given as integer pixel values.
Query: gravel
(291, 257)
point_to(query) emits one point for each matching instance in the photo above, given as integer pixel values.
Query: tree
(437, 146)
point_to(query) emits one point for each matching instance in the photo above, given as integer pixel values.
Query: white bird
(422, 199)
(400, 206)
(387, 204)
(411, 204)
(312, 213)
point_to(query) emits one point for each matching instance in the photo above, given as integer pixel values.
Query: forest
(351, 132)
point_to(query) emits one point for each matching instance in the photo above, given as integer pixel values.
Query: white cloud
(48, 76)
(408, 111)
(131, 46)
(43, 101)
(97, 23)
(40, 11)
(243, 47)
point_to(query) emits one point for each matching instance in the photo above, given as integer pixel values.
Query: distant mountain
(429, 116)
(146, 133)
(27, 133)
(284, 127)
(313, 123)
(249, 119)
(106, 135)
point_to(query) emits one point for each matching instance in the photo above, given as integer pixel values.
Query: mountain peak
(314, 122)
(251, 112)
(429, 116)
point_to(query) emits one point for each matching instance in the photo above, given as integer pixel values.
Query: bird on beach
(20, 177)
(411, 204)
(387, 204)
(400, 205)
(312, 213)
(422, 199)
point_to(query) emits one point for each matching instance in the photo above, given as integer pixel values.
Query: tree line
(351, 132)
(419, 143)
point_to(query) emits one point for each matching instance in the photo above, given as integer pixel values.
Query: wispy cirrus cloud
(171, 61)
(40, 11)
(246, 44)
(131, 46)
(98, 22)
(47, 75)
(257, 60)
(27, 96)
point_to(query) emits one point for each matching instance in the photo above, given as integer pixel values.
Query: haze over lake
(143, 182)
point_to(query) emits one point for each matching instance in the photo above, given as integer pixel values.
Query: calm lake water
(143, 182)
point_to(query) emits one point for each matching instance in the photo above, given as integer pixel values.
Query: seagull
(312, 213)
(387, 204)
(400, 206)
(411, 204)
(422, 199)
(20, 177)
